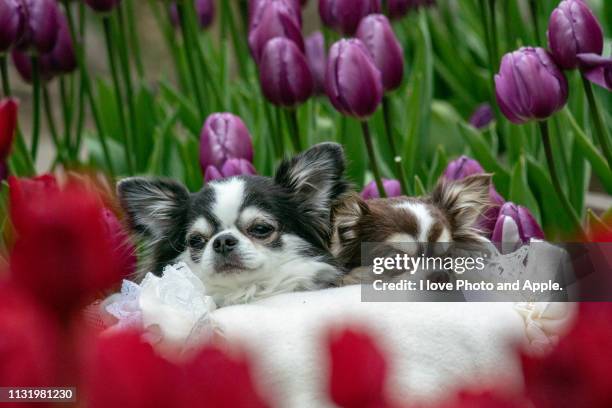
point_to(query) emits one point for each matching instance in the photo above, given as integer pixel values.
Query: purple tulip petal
(345, 15)
(392, 189)
(11, 24)
(224, 136)
(597, 69)
(212, 174)
(316, 56)
(482, 116)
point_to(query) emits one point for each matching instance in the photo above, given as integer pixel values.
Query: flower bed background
(421, 87)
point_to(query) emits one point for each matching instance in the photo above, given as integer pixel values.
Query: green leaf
(188, 113)
(419, 188)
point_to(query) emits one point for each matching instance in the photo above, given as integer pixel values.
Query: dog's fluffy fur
(246, 237)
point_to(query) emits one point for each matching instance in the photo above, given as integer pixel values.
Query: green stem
(187, 46)
(367, 137)
(35, 107)
(397, 159)
(237, 39)
(66, 112)
(133, 34)
(118, 94)
(533, 5)
(6, 84)
(51, 121)
(485, 25)
(276, 145)
(600, 128)
(119, 36)
(294, 129)
(494, 43)
(556, 182)
(77, 40)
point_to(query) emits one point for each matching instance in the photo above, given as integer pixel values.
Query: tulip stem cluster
(367, 137)
(600, 128)
(294, 127)
(36, 106)
(556, 182)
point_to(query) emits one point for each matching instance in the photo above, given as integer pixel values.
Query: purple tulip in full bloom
(276, 19)
(597, 69)
(224, 136)
(11, 22)
(102, 6)
(515, 226)
(573, 30)
(464, 167)
(353, 83)
(392, 188)
(482, 116)
(345, 15)
(231, 168)
(378, 36)
(40, 26)
(284, 74)
(316, 56)
(529, 85)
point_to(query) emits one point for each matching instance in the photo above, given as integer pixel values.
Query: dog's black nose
(224, 244)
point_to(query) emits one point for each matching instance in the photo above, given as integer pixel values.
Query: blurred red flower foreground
(69, 248)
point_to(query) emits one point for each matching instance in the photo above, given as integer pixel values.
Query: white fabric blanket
(433, 348)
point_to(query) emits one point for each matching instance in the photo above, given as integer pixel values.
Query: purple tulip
(464, 167)
(284, 74)
(40, 26)
(482, 116)
(345, 15)
(316, 57)
(63, 58)
(515, 226)
(256, 8)
(399, 8)
(231, 168)
(23, 65)
(597, 69)
(529, 85)
(573, 30)
(392, 188)
(102, 6)
(378, 36)
(224, 136)
(276, 19)
(353, 83)
(11, 23)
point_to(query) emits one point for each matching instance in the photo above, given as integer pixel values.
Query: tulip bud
(353, 83)
(23, 65)
(276, 19)
(515, 226)
(399, 8)
(529, 85)
(596, 69)
(316, 56)
(102, 6)
(572, 30)
(224, 136)
(345, 15)
(392, 188)
(482, 116)
(40, 26)
(11, 23)
(378, 36)
(8, 124)
(256, 8)
(63, 58)
(231, 168)
(284, 74)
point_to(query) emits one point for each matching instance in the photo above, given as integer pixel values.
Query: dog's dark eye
(197, 242)
(260, 230)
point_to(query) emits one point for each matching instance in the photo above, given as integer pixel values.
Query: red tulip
(63, 254)
(358, 370)
(29, 341)
(214, 378)
(8, 124)
(124, 371)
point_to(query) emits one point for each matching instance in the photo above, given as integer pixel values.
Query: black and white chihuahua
(246, 237)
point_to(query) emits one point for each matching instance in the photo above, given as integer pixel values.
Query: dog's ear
(346, 215)
(463, 201)
(153, 206)
(315, 180)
